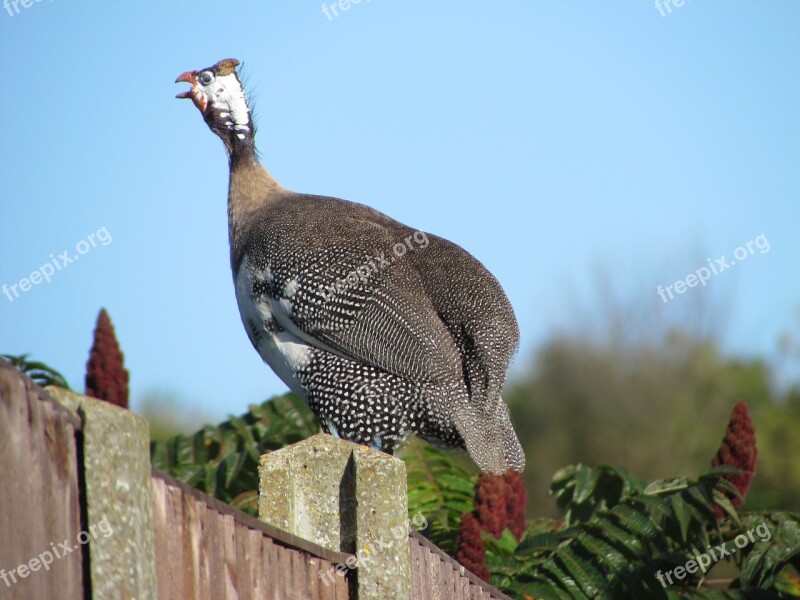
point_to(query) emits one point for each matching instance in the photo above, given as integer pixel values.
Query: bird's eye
(206, 77)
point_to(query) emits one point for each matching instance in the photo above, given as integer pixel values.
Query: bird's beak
(187, 77)
(195, 93)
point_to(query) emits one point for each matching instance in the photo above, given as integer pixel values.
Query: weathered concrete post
(343, 497)
(116, 460)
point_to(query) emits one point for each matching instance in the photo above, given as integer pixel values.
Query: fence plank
(435, 575)
(256, 543)
(224, 554)
(40, 508)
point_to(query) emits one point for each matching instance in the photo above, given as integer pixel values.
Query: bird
(384, 330)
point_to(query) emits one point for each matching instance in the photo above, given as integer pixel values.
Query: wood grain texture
(207, 550)
(40, 505)
(437, 576)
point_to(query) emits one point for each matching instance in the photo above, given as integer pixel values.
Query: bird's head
(218, 94)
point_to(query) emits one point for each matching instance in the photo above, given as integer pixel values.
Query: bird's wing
(354, 294)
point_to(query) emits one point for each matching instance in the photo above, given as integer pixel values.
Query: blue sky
(553, 140)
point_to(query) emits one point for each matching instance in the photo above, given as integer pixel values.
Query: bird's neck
(240, 144)
(250, 188)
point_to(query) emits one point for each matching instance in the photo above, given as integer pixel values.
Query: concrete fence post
(116, 467)
(347, 498)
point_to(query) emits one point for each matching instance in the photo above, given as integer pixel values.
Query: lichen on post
(344, 497)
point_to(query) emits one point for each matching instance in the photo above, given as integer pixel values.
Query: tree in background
(644, 393)
(168, 416)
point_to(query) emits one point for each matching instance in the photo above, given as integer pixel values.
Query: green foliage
(167, 416)
(41, 373)
(662, 394)
(619, 533)
(439, 489)
(222, 460)
(777, 481)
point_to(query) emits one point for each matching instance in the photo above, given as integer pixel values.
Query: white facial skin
(225, 94)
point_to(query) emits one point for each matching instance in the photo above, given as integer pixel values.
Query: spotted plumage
(384, 330)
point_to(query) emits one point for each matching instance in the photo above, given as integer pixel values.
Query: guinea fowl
(383, 330)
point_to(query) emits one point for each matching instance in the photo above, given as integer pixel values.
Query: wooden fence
(437, 576)
(206, 549)
(55, 455)
(40, 501)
